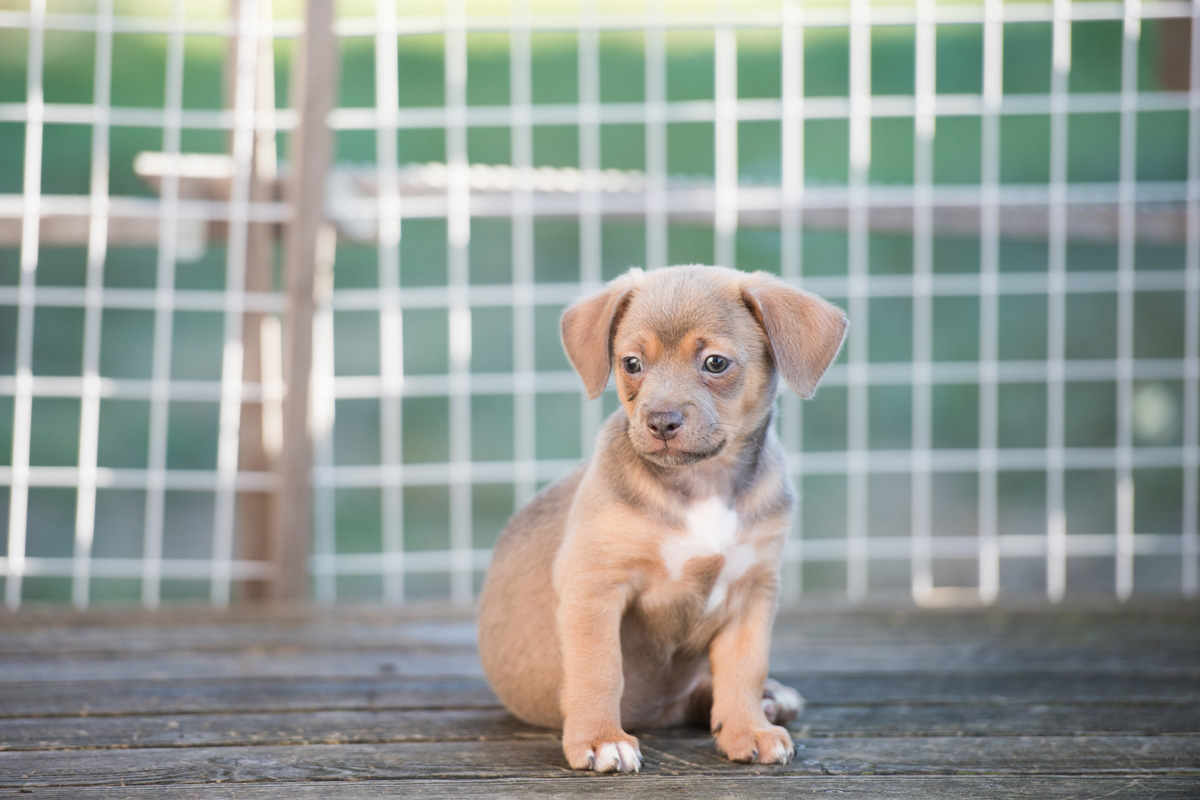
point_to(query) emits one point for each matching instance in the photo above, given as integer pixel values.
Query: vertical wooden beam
(256, 510)
(314, 83)
(1174, 53)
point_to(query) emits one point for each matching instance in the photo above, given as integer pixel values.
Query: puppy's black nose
(663, 424)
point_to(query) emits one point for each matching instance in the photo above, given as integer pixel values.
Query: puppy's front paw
(781, 704)
(618, 753)
(771, 745)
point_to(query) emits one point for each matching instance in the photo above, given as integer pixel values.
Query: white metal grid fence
(412, 515)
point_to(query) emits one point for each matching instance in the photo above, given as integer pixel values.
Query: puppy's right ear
(587, 331)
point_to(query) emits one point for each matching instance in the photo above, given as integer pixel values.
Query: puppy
(639, 590)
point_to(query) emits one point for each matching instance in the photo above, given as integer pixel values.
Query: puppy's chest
(710, 554)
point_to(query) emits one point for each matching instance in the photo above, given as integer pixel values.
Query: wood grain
(542, 758)
(367, 704)
(391, 692)
(681, 787)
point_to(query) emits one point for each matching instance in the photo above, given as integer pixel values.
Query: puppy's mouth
(670, 454)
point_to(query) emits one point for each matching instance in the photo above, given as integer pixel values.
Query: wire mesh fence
(1004, 196)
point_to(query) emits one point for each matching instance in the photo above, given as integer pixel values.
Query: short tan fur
(639, 590)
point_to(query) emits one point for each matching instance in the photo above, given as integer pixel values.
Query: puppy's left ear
(587, 330)
(805, 332)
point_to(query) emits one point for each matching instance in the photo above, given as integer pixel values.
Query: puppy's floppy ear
(804, 331)
(587, 331)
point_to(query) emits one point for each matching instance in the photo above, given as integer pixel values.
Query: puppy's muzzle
(664, 424)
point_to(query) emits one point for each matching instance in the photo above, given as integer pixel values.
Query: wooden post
(1174, 53)
(256, 511)
(314, 83)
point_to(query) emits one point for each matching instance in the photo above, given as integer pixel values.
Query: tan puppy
(639, 590)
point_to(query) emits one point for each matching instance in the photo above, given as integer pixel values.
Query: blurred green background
(139, 68)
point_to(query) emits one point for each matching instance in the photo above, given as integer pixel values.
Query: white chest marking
(712, 529)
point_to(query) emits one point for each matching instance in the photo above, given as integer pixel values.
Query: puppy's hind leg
(781, 704)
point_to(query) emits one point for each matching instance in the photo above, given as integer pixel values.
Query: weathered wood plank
(1045, 705)
(1181, 657)
(1175, 658)
(542, 758)
(390, 692)
(153, 635)
(1106, 621)
(349, 727)
(93, 698)
(1029, 687)
(205, 630)
(1009, 719)
(327, 727)
(683, 787)
(276, 663)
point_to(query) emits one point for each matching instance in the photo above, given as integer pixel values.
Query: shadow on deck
(901, 704)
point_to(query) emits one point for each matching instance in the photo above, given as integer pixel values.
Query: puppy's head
(697, 351)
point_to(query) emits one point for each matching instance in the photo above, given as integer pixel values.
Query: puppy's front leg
(738, 655)
(589, 628)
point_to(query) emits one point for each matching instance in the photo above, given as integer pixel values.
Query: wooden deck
(1075, 703)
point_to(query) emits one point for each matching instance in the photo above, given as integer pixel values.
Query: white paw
(616, 755)
(780, 751)
(781, 704)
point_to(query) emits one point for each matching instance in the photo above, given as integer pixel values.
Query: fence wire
(1004, 196)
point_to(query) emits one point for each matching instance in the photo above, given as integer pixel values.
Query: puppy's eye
(716, 364)
(631, 364)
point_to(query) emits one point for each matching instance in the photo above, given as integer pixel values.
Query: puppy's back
(517, 607)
